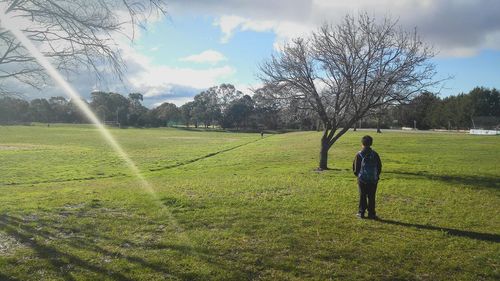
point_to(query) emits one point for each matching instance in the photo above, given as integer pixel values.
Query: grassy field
(231, 206)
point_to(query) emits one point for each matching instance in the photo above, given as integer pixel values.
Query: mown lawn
(232, 206)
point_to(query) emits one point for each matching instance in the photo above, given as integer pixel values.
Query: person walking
(367, 167)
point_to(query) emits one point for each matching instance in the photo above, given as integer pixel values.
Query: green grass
(232, 206)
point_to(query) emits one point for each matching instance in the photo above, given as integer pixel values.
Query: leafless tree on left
(75, 35)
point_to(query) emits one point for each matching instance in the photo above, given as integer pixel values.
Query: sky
(203, 43)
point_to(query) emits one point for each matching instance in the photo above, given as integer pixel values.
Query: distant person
(262, 134)
(367, 167)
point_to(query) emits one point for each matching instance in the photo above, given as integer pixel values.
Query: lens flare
(57, 77)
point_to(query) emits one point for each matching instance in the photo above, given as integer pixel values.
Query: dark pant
(367, 190)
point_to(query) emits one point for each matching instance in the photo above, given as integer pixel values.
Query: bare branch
(74, 34)
(361, 65)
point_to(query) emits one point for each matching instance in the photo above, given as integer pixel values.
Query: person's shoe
(373, 217)
(360, 215)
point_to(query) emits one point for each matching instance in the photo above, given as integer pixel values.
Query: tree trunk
(378, 125)
(323, 155)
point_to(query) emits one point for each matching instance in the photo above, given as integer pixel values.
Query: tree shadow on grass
(489, 237)
(59, 260)
(74, 252)
(64, 254)
(470, 180)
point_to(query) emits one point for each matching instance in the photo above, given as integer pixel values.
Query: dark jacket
(356, 165)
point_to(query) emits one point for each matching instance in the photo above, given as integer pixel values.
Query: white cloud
(457, 28)
(169, 83)
(154, 80)
(284, 29)
(227, 25)
(158, 83)
(208, 56)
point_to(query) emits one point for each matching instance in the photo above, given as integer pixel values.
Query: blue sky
(482, 69)
(172, 39)
(203, 43)
(245, 36)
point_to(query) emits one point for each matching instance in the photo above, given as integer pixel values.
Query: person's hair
(367, 140)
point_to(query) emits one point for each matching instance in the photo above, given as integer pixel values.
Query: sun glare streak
(57, 77)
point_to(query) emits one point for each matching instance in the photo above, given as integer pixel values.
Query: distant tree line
(225, 107)
(478, 108)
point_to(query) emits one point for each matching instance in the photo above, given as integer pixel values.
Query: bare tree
(74, 34)
(345, 72)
